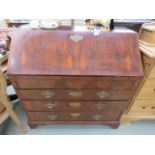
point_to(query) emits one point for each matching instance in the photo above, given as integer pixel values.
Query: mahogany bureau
(75, 75)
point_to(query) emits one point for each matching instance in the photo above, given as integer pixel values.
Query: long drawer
(30, 105)
(76, 94)
(74, 116)
(69, 82)
(143, 106)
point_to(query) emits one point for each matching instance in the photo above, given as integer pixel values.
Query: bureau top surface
(74, 52)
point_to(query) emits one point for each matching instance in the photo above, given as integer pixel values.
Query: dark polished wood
(78, 106)
(67, 116)
(56, 53)
(73, 76)
(69, 94)
(74, 82)
(112, 124)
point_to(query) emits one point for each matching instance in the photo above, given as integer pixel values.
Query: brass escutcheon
(52, 117)
(98, 117)
(75, 104)
(75, 114)
(47, 94)
(100, 106)
(75, 94)
(76, 37)
(50, 105)
(103, 94)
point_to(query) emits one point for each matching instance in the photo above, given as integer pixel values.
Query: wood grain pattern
(63, 56)
(45, 116)
(37, 105)
(53, 69)
(73, 82)
(143, 103)
(144, 106)
(85, 94)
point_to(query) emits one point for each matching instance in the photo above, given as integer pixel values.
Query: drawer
(75, 94)
(148, 89)
(73, 116)
(56, 82)
(143, 106)
(30, 105)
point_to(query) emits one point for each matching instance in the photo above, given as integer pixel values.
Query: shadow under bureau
(74, 76)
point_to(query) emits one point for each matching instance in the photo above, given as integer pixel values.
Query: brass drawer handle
(100, 106)
(50, 105)
(47, 94)
(76, 37)
(103, 94)
(52, 117)
(75, 94)
(75, 114)
(98, 117)
(75, 104)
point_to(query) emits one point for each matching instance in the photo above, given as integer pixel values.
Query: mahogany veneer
(74, 75)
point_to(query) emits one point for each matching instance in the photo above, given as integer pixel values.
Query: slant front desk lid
(74, 52)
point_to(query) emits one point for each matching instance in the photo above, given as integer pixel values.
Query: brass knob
(103, 94)
(100, 106)
(75, 114)
(98, 117)
(75, 93)
(52, 117)
(75, 104)
(50, 105)
(47, 94)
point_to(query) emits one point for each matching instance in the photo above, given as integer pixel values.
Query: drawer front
(143, 106)
(63, 106)
(75, 94)
(148, 90)
(73, 116)
(47, 82)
